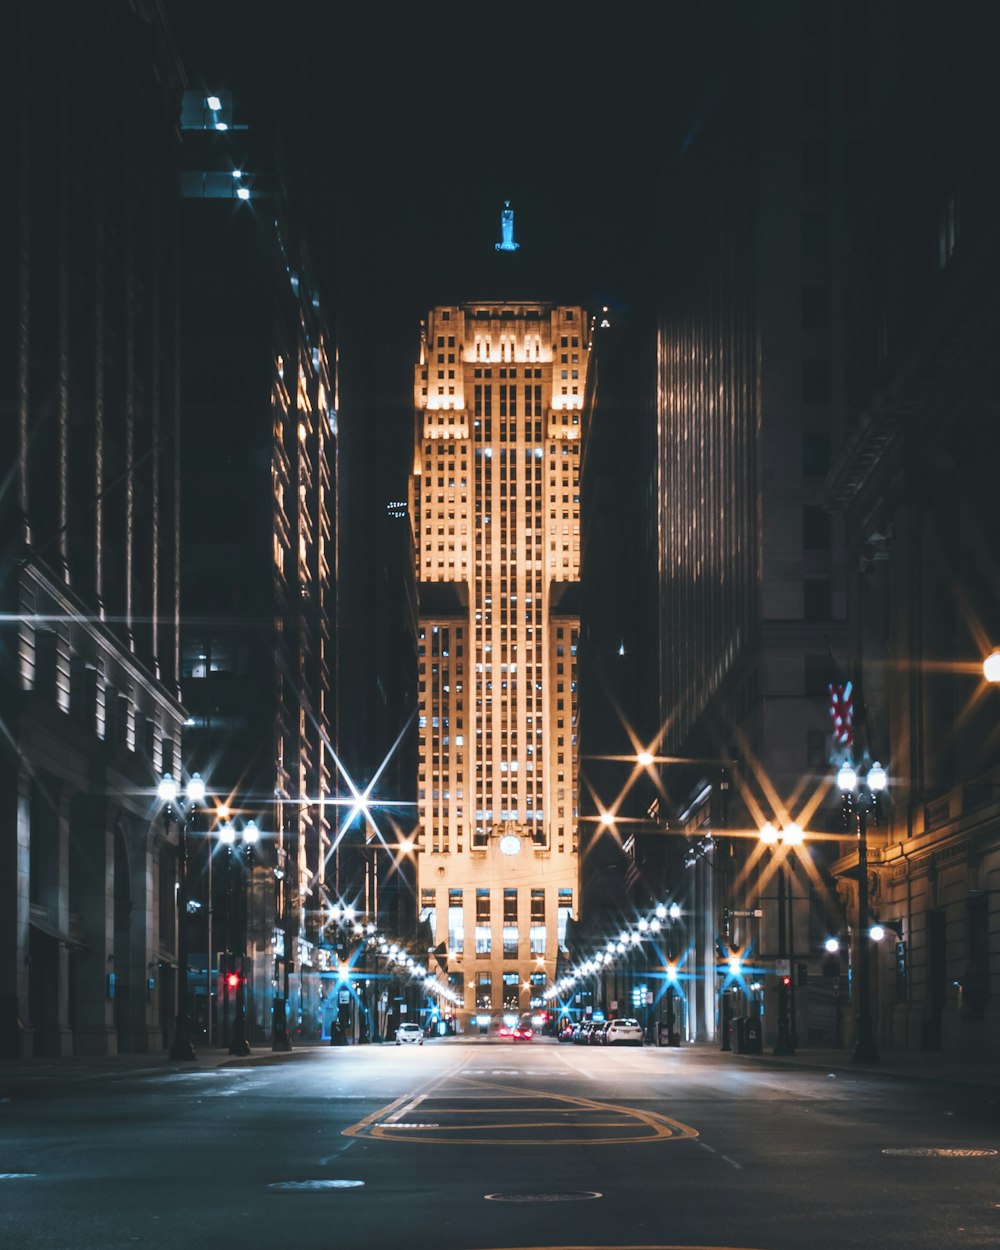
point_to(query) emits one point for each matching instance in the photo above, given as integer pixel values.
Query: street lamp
(991, 666)
(180, 811)
(239, 846)
(791, 835)
(280, 1040)
(868, 792)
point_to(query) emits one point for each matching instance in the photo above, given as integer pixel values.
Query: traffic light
(232, 980)
(786, 982)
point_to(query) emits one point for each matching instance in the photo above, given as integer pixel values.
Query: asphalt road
(468, 1145)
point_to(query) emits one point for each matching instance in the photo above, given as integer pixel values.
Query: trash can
(753, 1042)
(737, 1034)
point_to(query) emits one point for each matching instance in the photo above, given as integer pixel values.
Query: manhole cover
(579, 1195)
(294, 1187)
(939, 1152)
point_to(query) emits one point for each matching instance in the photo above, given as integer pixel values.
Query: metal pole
(865, 1049)
(182, 1047)
(783, 1046)
(280, 1040)
(239, 1045)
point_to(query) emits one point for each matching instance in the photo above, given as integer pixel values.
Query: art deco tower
(499, 392)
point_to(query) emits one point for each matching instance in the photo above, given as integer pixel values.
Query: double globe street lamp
(239, 844)
(181, 810)
(861, 800)
(790, 835)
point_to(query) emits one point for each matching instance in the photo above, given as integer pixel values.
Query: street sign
(344, 996)
(402, 1009)
(614, 1004)
(649, 998)
(756, 911)
(782, 967)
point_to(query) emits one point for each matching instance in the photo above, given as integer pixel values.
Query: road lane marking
(405, 1110)
(17, 1176)
(605, 1121)
(940, 1152)
(577, 1195)
(294, 1187)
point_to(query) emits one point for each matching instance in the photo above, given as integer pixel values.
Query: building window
(816, 380)
(816, 599)
(536, 938)
(815, 453)
(482, 907)
(510, 941)
(815, 528)
(511, 991)
(484, 940)
(537, 906)
(484, 991)
(456, 922)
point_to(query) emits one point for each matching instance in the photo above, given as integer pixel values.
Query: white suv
(623, 1033)
(409, 1032)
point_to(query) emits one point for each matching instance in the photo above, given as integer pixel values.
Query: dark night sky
(417, 122)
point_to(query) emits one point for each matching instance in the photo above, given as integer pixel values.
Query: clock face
(510, 844)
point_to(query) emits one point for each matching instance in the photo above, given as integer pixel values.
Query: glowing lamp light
(661, 911)
(991, 666)
(195, 789)
(654, 925)
(769, 834)
(242, 193)
(877, 779)
(644, 758)
(213, 102)
(251, 833)
(167, 789)
(847, 778)
(735, 963)
(876, 933)
(675, 911)
(671, 972)
(831, 945)
(227, 835)
(793, 835)
(643, 925)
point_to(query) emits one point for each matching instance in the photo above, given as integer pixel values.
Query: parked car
(623, 1032)
(582, 1035)
(568, 1031)
(409, 1032)
(597, 1034)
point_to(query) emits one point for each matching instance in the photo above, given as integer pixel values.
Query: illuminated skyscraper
(499, 393)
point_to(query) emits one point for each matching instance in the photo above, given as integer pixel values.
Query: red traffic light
(786, 982)
(232, 980)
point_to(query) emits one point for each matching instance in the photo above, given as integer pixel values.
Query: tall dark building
(260, 571)
(914, 485)
(89, 563)
(754, 385)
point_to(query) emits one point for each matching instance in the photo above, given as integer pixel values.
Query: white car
(623, 1033)
(409, 1032)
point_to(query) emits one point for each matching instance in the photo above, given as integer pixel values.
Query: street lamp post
(791, 835)
(239, 848)
(280, 1041)
(865, 1047)
(180, 811)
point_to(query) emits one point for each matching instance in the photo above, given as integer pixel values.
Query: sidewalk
(935, 1068)
(26, 1074)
